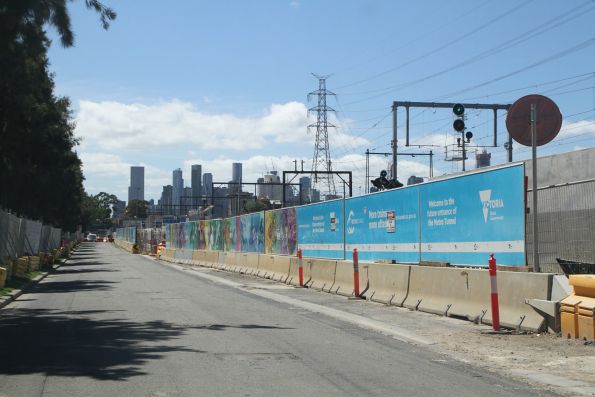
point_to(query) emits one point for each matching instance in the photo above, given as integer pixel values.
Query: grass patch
(18, 283)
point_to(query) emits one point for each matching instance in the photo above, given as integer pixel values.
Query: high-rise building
(207, 183)
(268, 190)
(166, 199)
(178, 189)
(136, 190)
(305, 189)
(186, 200)
(196, 183)
(236, 172)
(220, 202)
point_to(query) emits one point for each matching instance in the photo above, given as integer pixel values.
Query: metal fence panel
(33, 236)
(44, 245)
(566, 223)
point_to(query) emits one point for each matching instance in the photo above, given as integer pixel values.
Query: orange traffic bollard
(494, 288)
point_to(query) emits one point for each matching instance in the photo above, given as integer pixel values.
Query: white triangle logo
(484, 196)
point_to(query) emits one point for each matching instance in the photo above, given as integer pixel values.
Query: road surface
(109, 323)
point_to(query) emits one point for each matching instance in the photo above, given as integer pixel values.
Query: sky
(184, 82)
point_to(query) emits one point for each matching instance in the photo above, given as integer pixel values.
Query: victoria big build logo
(490, 205)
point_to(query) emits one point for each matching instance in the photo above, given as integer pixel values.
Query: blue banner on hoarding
(384, 226)
(464, 219)
(320, 229)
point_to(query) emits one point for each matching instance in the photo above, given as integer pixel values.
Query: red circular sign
(518, 120)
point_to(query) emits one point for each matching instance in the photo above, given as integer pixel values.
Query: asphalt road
(114, 324)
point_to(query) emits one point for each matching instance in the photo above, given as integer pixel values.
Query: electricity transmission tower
(322, 153)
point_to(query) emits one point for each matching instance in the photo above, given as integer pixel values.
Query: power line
(540, 29)
(450, 43)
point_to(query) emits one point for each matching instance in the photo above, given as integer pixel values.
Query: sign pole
(536, 267)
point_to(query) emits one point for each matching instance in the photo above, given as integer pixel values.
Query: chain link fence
(565, 224)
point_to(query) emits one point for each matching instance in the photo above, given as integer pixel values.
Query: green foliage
(257, 206)
(40, 173)
(96, 211)
(137, 209)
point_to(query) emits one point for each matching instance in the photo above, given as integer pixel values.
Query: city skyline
(214, 113)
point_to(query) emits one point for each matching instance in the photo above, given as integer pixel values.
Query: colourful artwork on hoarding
(321, 229)
(252, 232)
(230, 239)
(182, 235)
(214, 235)
(460, 220)
(203, 235)
(384, 225)
(281, 231)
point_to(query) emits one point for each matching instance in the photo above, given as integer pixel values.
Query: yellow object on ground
(577, 311)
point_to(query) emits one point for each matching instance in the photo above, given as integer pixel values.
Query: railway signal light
(459, 123)
(458, 109)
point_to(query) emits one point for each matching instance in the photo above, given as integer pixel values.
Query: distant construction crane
(322, 155)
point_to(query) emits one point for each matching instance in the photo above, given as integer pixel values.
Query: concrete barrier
(231, 260)
(343, 283)
(251, 264)
(183, 256)
(274, 267)
(211, 258)
(198, 257)
(321, 273)
(465, 293)
(293, 276)
(220, 264)
(514, 288)
(388, 283)
(241, 261)
(168, 254)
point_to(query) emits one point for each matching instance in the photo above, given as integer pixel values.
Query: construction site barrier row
(458, 219)
(454, 292)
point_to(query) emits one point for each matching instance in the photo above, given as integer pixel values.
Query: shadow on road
(63, 270)
(85, 263)
(71, 286)
(71, 343)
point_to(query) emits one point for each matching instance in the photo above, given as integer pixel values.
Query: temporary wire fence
(20, 236)
(565, 223)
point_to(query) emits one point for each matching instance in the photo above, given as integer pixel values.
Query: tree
(257, 206)
(40, 173)
(137, 209)
(96, 211)
(17, 16)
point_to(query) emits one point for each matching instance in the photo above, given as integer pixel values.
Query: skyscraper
(305, 189)
(196, 179)
(166, 199)
(178, 189)
(207, 183)
(236, 172)
(136, 190)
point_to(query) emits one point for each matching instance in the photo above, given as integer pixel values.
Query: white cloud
(114, 125)
(581, 127)
(103, 164)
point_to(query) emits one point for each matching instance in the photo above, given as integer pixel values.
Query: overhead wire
(542, 28)
(443, 46)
